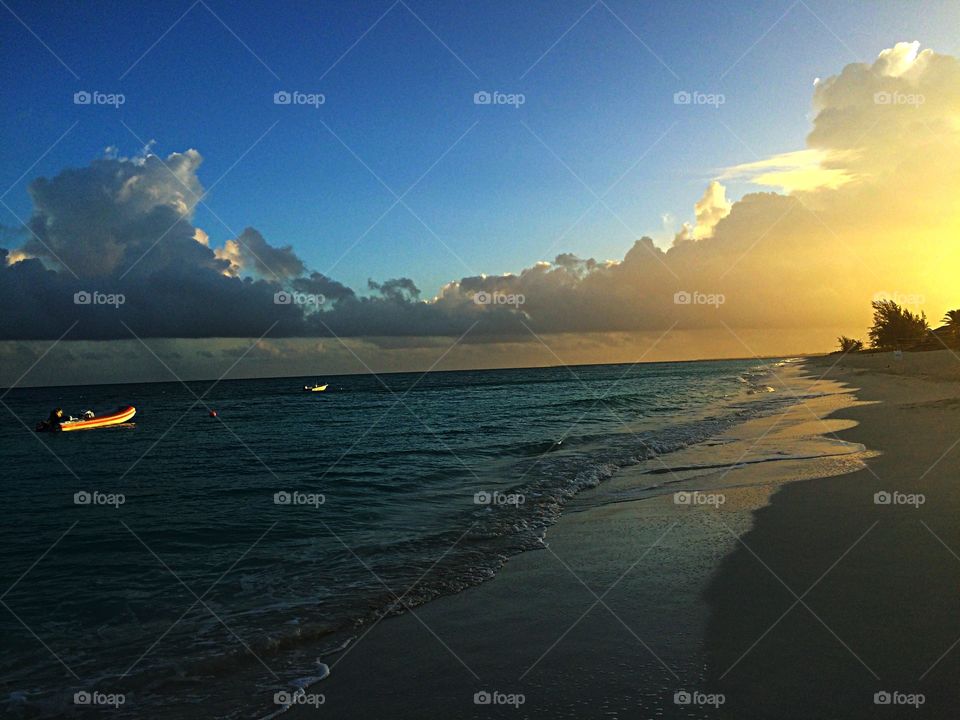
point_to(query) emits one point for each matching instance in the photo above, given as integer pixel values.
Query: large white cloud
(709, 210)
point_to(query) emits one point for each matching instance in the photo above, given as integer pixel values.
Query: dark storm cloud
(320, 284)
(280, 263)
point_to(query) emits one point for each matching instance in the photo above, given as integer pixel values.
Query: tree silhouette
(952, 321)
(849, 344)
(894, 326)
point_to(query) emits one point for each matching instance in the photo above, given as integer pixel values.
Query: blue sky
(504, 186)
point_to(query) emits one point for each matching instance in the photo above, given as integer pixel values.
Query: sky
(388, 189)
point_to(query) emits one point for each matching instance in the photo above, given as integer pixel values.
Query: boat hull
(123, 415)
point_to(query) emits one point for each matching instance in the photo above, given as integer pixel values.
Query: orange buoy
(213, 413)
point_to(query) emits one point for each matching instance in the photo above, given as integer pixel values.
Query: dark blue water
(205, 573)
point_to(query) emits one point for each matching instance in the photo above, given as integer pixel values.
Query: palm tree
(952, 321)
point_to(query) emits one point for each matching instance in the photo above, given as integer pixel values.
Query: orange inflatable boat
(55, 424)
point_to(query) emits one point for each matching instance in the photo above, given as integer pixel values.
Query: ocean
(191, 561)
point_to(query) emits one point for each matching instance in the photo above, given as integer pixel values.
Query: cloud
(117, 213)
(251, 253)
(709, 210)
(15, 256)
(800, 170)
(320, 284)
(903, 58)
(123, 226)
(863, 207)
(397, 290)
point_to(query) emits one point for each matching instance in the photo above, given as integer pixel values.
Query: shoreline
(610, 617)
(840, 604)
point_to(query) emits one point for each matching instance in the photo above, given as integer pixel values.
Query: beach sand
(609, 619)
(834, 598)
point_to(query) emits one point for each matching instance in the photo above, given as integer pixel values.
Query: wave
(527, 486)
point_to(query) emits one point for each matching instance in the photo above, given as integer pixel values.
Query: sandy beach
(835, 596)
(609, 620)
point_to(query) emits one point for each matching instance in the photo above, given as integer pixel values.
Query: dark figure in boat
(53, 421)
(57, 416)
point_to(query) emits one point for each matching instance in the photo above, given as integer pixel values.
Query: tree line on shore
(897, 328)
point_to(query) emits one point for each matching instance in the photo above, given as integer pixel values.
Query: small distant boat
(315, 388)
(58, 423)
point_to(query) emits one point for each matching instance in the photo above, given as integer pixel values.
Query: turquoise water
(253, 545)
